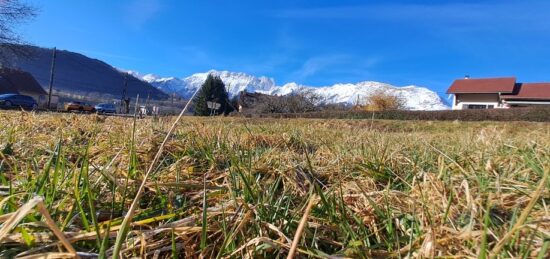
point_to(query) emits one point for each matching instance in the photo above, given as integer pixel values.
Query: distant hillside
(76, 73)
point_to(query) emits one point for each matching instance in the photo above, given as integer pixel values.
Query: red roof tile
(485, 85)
(531, 91)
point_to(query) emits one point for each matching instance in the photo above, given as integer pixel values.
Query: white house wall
(461, 106)
(461, 100)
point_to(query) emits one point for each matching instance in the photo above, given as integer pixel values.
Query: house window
(479, 106)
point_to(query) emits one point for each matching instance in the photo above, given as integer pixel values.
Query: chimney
(467, 77)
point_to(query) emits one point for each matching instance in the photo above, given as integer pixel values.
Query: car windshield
(6, 95)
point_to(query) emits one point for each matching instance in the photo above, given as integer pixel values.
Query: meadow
(267, 188)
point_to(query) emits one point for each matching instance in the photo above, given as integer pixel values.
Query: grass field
(256, 188)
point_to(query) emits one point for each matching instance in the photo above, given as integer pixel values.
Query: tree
(302, 100)
(383, 101)
(212, 90)
(12, 13)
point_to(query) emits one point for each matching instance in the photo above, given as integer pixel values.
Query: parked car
(78, 106)
(17, 100)
(104, 108)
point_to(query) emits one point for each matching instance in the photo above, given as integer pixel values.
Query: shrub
(383, 101)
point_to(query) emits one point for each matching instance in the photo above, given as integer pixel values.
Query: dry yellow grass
(385, 188)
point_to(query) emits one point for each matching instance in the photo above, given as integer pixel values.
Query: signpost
(214, 107)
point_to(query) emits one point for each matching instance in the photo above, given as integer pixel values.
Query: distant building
(20, 82)
(495, 93)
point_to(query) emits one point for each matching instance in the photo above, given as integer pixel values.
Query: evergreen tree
(212, 90)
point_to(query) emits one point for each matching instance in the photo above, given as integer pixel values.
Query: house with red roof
(495, 93)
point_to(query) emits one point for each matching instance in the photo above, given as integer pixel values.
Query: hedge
(514, 114)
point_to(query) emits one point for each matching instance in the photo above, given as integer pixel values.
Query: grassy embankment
(229, 187)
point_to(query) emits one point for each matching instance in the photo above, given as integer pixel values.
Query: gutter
(526, 102)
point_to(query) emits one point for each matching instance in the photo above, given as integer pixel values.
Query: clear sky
(428, 43)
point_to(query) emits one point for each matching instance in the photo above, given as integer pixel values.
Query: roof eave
(479, 92)
(527, 98)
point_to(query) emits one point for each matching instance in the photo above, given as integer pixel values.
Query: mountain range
(416, 98)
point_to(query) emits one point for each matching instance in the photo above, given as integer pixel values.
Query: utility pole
(123, 99)
(125, 85)
(51, 77)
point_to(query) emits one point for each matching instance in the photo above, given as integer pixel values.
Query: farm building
(20, 82)
(497, 93)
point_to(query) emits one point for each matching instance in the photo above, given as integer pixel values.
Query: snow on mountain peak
(416, 98)
(150, 78)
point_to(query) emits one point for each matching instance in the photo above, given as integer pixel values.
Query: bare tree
(311, 99)
(12, 14)
(302, 100)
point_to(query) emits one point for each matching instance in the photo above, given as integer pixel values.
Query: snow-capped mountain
(417, 98)
(235, 83)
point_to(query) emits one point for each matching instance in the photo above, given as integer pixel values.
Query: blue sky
(428, 43)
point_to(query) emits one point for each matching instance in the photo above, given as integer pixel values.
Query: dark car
(105, 108)
(17, 100)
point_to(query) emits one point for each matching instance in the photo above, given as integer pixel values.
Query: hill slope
(76, 73)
